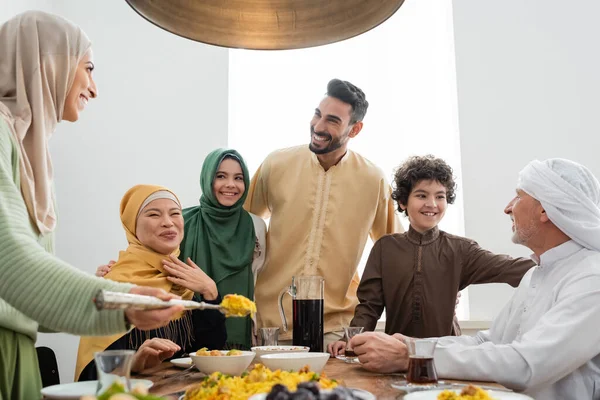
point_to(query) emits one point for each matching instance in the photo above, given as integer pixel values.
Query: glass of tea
(350, 332)
(269, 336)
(114, 368)
(421, 369)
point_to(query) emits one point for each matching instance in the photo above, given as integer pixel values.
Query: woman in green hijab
(223, 239)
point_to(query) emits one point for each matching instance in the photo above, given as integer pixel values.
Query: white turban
(570, 195)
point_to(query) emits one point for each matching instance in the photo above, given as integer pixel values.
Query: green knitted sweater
(36, 288)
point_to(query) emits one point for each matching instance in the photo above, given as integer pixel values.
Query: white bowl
(295, 361)
(262, 350)
(228, 365)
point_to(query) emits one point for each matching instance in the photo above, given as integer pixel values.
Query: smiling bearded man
(324, 201)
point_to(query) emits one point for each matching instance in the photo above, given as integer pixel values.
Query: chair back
(48, 366)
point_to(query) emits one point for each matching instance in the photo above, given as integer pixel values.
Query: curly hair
(418, 168)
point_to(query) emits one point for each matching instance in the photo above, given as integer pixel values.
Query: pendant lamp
(266, 24)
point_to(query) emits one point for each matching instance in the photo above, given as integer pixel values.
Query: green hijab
(221, 241)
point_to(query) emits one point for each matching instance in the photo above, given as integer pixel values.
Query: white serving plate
(76, 390)
(496, 395)
(182, 362)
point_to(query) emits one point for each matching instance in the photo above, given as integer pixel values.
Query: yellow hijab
(138, 264)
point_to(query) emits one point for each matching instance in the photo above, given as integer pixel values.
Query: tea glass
(113, 366)
(421, 368)
(269, 336)
(349, 333)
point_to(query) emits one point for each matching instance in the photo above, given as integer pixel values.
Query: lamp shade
(266, 24)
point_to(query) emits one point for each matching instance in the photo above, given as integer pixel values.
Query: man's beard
(523, 235)
(333, 145)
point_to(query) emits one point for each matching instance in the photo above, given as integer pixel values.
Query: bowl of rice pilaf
(294, 361)
(262, 350)
(229, 362)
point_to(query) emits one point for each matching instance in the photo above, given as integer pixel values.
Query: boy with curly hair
(416, 275)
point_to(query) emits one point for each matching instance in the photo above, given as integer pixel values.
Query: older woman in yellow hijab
(153, 223)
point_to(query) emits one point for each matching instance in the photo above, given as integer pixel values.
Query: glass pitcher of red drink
(307, 307)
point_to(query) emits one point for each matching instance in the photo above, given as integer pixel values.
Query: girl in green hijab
(223, 239)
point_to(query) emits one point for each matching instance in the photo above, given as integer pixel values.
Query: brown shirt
(416, 278)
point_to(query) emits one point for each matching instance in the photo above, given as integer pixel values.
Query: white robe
(546, 340)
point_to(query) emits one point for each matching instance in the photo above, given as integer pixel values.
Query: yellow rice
(469, 393)
(204, 352)
(237, 305)
(259, 380)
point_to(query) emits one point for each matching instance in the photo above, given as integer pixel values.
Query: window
(406, 69)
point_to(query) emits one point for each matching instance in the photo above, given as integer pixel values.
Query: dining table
(171, 382)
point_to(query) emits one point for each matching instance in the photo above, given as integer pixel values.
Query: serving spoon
(107, 300)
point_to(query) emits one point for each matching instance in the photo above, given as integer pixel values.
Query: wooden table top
(172, 382)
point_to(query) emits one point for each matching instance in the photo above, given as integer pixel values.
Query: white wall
(528, 87)
(162, 107)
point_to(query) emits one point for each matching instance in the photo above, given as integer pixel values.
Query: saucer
(402, 384)
(182, 362)
(344, 359)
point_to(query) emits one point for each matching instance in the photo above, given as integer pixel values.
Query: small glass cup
(349, 333)
(113, 366)
(421, 368)
(269, 336)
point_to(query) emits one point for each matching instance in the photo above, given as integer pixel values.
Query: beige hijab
(39, 54)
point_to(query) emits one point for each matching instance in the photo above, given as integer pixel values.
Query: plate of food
(468, 392)
(77, 390)
(259, 380)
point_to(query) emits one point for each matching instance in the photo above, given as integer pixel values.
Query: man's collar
(549, 257)
(316, 159)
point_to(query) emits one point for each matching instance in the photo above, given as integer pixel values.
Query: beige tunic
(320, 221)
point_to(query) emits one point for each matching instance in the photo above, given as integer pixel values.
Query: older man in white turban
(546, 341)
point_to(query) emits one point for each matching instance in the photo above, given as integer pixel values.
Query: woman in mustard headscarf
(226, 241)
(153, 223)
